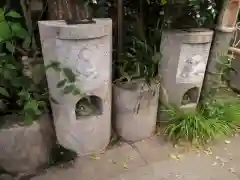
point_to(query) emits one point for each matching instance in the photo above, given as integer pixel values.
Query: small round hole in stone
(190, 96)
(89, 106)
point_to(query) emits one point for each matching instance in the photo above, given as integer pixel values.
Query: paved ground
(154, 159)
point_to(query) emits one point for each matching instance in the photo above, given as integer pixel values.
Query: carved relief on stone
(84, 65)
(85, 59)
(191, 66)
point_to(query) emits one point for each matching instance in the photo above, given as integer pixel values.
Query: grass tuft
(216, 119)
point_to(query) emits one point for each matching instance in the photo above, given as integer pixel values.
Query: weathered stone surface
(86, 50)
(182, 70)
(25, 149)
(189, 168)
(191, 165)
(135, 110)
(151, 147)
(101, 167)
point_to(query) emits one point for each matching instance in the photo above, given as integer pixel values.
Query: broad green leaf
(10, 47)
(7, 74)
(68, 89)
(28, 120)
(61, 83)
(31, 106)
(4, 92)
(76, 91)
(5, 32)
(69, 74)
(2, 14)
(10, 66)
(163, 2)
(3, 54)
(19, 31)
(26, 42)
(13, 14)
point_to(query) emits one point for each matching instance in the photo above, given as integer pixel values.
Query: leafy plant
(18, 93)
(227, 111)
(68, 85)
(187, 127)
(218, 81)
(141, 61)
(215, 120)
(190, 14)
(141, 55)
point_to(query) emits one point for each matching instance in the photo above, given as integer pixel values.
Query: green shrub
(18, 93)
(216, 119)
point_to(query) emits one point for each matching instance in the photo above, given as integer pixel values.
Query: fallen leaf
(222, 160)
(173, 156)
(130, 158)
(94, 156)
(180, 156)
(112, 161)
(125, 165)
(227, 142)
(175, 146)
(214, 164)
(232, 170)
(208, 151)
(178, 176)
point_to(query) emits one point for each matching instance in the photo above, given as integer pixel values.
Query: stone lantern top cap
(101, 28)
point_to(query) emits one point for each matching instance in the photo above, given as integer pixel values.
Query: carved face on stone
(195, 60)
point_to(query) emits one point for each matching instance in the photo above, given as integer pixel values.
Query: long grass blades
(215, 120)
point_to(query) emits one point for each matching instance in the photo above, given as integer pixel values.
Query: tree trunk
(71, 10)
(224, 32)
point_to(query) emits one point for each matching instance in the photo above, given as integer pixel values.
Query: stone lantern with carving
(80, 81)
(185, 49)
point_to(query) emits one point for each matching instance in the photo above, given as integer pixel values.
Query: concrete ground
(154, 159)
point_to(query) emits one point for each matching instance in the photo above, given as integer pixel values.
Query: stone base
(25, 149)
(84, 136)
(135, 110)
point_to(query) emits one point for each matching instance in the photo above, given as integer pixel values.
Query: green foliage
(141, 47)
(141, 61)
(190, 14)
(17, 91)
(215, 120)
(219, 80)
(141, 37)
(68, 84)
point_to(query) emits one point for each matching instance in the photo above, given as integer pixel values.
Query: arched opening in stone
(89, 106)
(190, 96)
